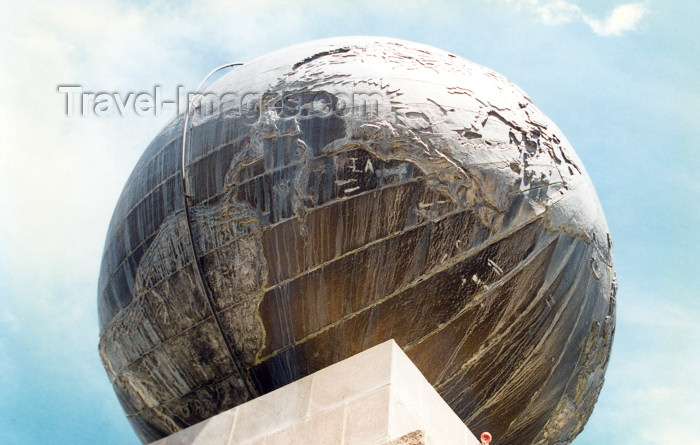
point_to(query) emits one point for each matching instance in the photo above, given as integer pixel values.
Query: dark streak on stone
(319, 55)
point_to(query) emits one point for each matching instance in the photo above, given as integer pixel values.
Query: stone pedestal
(375, 397)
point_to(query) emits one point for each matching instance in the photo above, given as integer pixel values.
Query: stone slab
(375, 397)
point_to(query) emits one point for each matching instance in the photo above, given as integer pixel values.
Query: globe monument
(327, 197)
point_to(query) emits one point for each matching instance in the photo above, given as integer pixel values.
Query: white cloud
(623, 18)
(555, 12)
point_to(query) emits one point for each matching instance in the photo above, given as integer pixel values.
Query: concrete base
(375, 397)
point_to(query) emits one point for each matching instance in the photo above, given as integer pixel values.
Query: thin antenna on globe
(185, 190)
(185, 126)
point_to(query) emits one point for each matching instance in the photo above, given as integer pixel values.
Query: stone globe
(336, 194)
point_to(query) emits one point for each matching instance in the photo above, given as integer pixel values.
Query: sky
(622, 81)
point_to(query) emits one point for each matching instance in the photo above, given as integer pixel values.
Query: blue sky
(621, 79)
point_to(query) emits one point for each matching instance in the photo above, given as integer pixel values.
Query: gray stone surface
(358, 190)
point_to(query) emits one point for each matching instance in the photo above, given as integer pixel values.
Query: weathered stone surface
(414, 438)
(358, 190)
